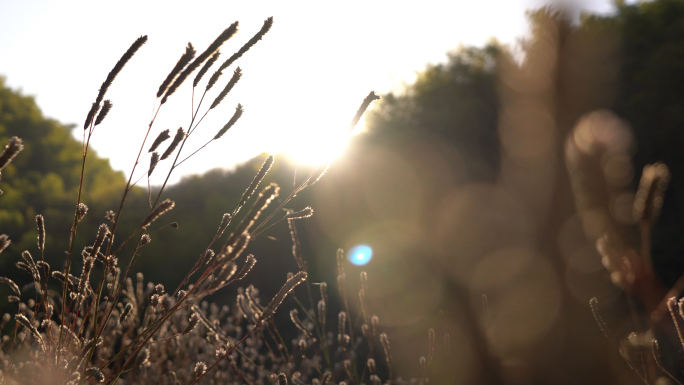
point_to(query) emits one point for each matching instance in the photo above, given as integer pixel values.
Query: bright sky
(301, 84)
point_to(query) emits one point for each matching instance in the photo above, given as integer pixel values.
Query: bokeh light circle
(360, 255)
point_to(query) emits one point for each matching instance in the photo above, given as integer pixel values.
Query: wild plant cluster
(102, 325)
(597, 156)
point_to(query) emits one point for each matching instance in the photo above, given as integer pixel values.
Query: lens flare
(360, 255)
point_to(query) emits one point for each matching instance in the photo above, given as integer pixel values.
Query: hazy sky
(301, 84)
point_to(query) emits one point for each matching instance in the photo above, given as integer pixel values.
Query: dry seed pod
(154, 159)
(110, 77)
(85, 275)
(237, 74)
(103, 112)
(321, 313)
(225, 221)
(255, 182)
(236, 115)
(348, 368)
(374, 323)
(227, 272)
(163, 207)
(102, 232)
(365, 331)
(194, 320)
(304, 213)
(282, 293)
(185, 58)
(154, 300)
(364, 106)
(4, 242)
(371, 365)
(298, 323)
(13, 147)
(180, 135)
(207, 257)
(341, 325)
(205, 68)
(266, 196)
(388, 353)
(651, 193)
(126, 311)
(243, 306)
(40, 223)
(267, 25)
(296, 247)
(249, 264)
(593, 304)
(252, 301)
(11, 284)
(27, 324)
(81, 211)
(324, 291)
(232, 252)
(159, 140)
(200, 369)
(96, 374)
(213, 47)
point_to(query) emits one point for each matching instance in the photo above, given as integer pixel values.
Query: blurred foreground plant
(620, 222)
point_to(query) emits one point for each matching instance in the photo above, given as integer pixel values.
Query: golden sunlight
(318, 146)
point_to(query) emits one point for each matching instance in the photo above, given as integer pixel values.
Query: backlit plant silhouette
(101, 324)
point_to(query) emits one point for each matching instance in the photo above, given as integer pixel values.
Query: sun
(316, 147)
(315, 138)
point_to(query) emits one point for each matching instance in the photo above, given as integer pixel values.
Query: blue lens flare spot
(360, 255)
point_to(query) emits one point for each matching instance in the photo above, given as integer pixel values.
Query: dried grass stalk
(238, 113)
(4, 242)
(153, 163)
(159, 140)
(112, 74)
(180, 135)
(13, 147)
(11, 284)
(103, 112)
(185, 58)
(205, 68)
(364, 106)
(213, 47)
(163, 207)
(255, 183)
(296, 247)
(40, 223)
(249, 264)
(237, 74)
(651, 192)
(282, 293)
(268, 23)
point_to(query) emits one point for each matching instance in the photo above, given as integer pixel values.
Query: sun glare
(314, 147)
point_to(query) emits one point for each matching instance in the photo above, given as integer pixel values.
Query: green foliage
(48, 182)
(454, 102)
